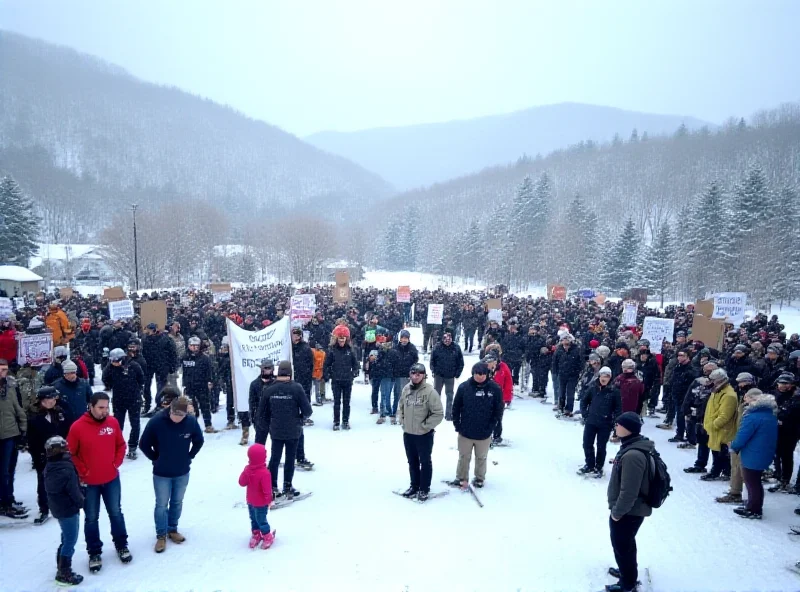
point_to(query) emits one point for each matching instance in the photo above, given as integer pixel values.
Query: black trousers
(784, 456)
(702, 447)
(590, 434)
(540, 379)
(41, 494)
(469, 338)
(418, 453)
(691, 430)
(306, 384)
(341, 399)
(623, 541)
(498, 428)
(721, 463)
(133, 410)
(566, 399)
(376, 388)
(288, 462)
(514, 367)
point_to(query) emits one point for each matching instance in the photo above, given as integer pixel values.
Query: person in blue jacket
(755, 443)
(171, 439)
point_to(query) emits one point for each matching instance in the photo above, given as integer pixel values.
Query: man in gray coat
(628, 488)
(420, 411)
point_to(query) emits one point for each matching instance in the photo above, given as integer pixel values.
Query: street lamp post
(135, 247)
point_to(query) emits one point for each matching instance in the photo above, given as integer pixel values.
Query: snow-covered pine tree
(659, 264)
(18, 224)
(620, 265)
(750, 215)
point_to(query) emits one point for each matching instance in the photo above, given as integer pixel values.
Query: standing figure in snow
(599, 407)
(198, 380)
(420, 411)
(125, 379)
(447, 363)
(258, 480)
(568, 364)
(341, 368)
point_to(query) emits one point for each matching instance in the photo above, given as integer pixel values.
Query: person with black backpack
(638, 483)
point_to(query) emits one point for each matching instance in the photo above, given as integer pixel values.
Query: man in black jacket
(124, 378)
(568, 364)
(159, 352)
(447, 363)
(405, 357)
(341, 368)
(303, 360)
(257, 388)
(600, 406)
(477, 407)
(171, 440)
(282, 411)
(682, 377)
(513, 344)
(198, 380)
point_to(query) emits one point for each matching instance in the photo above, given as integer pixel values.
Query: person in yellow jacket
(58, 323)
(720, 423)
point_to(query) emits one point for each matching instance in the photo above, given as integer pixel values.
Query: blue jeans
(69, 534)
(8, 465)
(386, 396)
(169, 502)
(111, 493)
(258, 518)
(399, 385)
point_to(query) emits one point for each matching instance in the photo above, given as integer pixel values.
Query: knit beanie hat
(630, 421)
(69, 366)
(285, 368)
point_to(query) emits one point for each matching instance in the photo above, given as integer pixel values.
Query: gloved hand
(22, 441)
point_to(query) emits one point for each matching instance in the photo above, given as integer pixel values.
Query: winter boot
(687, 446)
(394, 419)
(124, 555)
(652, 413)
(782, 487)
(267, 540)
(132, 455)
(41, 517)
(695, 470)
(65, 576)
(374, 411)
(457, 483)
(410, 492)
(675, 439)
(176, 537)
(317, 403)
(336, 427)
(745, 513)
(345, 425)
(614, 572)
(664, 426)
(729, 498)
(304, 464)
(161, 544)
(289, 492)
(95, 563)
(308, 422)
(585, 470)
(597, 473)
(231, 425)
(245, 435)
(255, 538)
(13, 512)
(381, 420)
(477, 482)
(210, 429)
(422, 496)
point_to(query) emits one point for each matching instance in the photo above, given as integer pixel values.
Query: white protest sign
(629, 311)
(656, 331)
(302, 308)
(435, 314)
(250, 348)
(380, 300)
(36, 350)
(220, 296)
(495, 314)
(6, 309)
(120, 309)
(19, 303)
(730, 307)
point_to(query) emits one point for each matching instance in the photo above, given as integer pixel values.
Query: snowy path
(543, 528)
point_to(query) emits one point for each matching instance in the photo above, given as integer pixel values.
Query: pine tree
(659, 271)
(18, 224)
(750, 217)
(620, 263)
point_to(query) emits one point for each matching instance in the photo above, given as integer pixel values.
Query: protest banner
(6, 308)
(113, 294)
(250, 348)
(435, 314)
(556, 292)
(19, 303)
(217, 297)
(302, 308)
(656, 331)
(495, 314)
(710, 331)
(586, 294)
(36, 350)
(341, 293)
(629, 310)
(404, 294)
(494, 304)
(730, 306)
(220, 287)
(120, 309)
(154, 311)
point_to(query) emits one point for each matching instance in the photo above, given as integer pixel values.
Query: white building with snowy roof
(16, 280)
(73, 265)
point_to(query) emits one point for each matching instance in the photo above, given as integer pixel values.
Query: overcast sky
(312, 65)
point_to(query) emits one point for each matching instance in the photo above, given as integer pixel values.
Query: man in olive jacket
(420, 411)
(628, 488)
(720, 424)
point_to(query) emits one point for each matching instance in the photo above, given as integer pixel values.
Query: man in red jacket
(97, 447)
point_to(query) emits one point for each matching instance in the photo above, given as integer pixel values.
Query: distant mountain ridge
(418, 155)
(96, 120)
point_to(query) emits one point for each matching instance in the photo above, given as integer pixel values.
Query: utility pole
(135, 246)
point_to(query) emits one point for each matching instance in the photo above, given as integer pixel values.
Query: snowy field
(543, 528)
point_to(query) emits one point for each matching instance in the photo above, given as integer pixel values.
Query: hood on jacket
(257, 456)
(763, 402)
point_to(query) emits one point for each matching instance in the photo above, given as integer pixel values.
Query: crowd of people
(737, 403)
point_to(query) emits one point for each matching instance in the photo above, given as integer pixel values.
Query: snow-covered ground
(542, 529)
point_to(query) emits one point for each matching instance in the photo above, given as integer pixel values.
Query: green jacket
(630, 479)
(420, 409)
(721, 417)
(13, 420)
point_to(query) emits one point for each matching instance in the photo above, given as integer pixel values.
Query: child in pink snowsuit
(256, 477)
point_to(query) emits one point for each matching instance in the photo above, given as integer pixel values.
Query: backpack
(660, 481)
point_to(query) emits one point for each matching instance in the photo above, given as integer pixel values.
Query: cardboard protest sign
(19, 303)
(154, 311)
(730, 306)
(220, 287)
(494, 304)
(710, 331)
(556, 292)
(113, 294)
(250, 348)
(120, 309)
(435, 314)
(342, 291)
(65, 293)
(404, 294)
(656, 331)
(36, 350)
(704, 307)
(629, 310)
